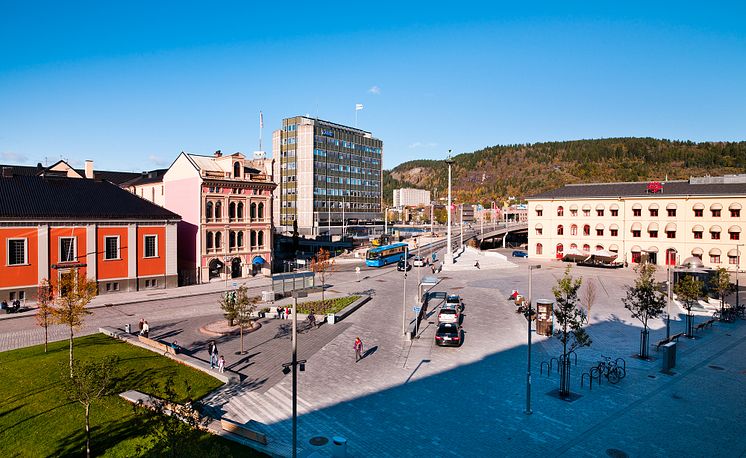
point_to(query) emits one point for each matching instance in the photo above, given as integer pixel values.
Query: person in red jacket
(358, 346)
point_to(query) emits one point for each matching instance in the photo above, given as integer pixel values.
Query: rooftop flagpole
(261, 127)
(358, 107)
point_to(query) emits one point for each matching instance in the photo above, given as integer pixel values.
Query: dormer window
(236, 170)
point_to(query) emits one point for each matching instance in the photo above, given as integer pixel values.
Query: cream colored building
(700, 217)
(404, 197)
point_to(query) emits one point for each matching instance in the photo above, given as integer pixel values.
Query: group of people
(284, 313)
(14, 307)
(215, 360)
(144, 327)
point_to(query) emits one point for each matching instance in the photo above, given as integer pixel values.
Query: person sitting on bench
(16, 306)
(4, 306)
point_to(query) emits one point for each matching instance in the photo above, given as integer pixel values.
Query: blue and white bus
(382, 255)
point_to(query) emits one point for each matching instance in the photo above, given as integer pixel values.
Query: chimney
(89, 169)
(218, 153)
(7, 172)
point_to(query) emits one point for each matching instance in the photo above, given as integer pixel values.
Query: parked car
(449, 334)
(419, 261)
(519, 254)
(449, 314)
(402, 264)
(455, 300)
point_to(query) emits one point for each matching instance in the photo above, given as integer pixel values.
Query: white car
(419, 261)
(449, 314)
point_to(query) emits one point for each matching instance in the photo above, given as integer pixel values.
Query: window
(573, 230)
(539, 231)
(715, 235)
(239, 212)
(231, 240)
(586, 213)
(586, 248)
(151, 246)
(539, 212)
(252, 239)
(560, 211)
(573, 213)
(698, 235)
(208, 211)
(261, 238)
(715, 214)
(698, 212)
(671, 212)
(240, 239)
(636, 212)
(236, 170)
(539, 248)
(560, 230)
(261, 211)
(614, 232)
(67, 249)
(599, 213)
(614, 212)
(671, 234)
(17, 252)
(111, 247)
(586, 230)
(636, 233)
(218, 240)
(715, 259)
(735, 213)
(252, 211)
(735, 235)
(636, 256)
(653, 234)
(733, 260)
(232, 211)
(218, 210)
(653, 212)
(600, 232)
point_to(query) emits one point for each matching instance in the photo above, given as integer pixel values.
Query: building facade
(226, 206)
(329, 176)
(663, 223)
(404, 197)
(52, 225)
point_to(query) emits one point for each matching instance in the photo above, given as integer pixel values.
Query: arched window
(208, 211)
(232, 240)
(252, 211)
(539, 248)
(218, 240)
(574, 229)
(232, 211)
(560, 230)
(218, 210)
(573, 246)
(586, 248)
(240, 239)
(239, 211)
(587, 229)
(560, 211)
(236, 170)
(599, 247)
(559, 250)
(252, 239)
(209, 241)
(261, 211)
(261, 237)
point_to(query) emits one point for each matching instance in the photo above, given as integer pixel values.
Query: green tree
(228, 305)
(88, 382)
(45, 307)
(570, 321)
(721, 283)
(644, 301)
(244, 308)
(75, 292)
(689, 290)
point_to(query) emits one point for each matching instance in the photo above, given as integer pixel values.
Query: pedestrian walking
(145, 329)
(213, 350)
(279, 311)
(287, 313)
(140, 325)
(221, 364)
(476, 264)
(358, 349)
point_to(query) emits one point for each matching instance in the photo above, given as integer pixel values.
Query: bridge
(502, 231)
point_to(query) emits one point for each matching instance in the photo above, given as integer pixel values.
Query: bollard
(339, 447)
(128, 328)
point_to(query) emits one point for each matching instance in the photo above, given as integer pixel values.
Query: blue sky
(130, 85)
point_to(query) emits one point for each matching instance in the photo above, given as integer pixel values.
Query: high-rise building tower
(329, 177)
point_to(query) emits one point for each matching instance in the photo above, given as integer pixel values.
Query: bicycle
(610, 369)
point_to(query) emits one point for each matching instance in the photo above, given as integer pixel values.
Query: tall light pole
(448, 258)
(385, 221)
(738, 267)
(294, 363)
(432, 217)
(404, 301)
(462, 225)
(529, 313)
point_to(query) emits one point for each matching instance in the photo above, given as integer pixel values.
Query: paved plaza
(416, 399)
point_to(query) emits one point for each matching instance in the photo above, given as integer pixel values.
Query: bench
(165, 348)
(704, 324)
(243, 431)
(674, 337)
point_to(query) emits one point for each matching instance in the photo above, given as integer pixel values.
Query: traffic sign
(416, 309)
(235, 283)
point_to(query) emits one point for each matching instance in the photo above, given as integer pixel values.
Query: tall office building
(329, 177)
(411, 197)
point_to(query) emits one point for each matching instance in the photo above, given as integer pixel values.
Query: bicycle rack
(590, 378)
(572, 352)
(541, 368)
(624, 364)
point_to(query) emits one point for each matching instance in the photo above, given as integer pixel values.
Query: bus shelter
(285, 284)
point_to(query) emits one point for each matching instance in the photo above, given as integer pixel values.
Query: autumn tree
(689, 290)
(45, 307)
(244, 309)
(322, 265)
(644, 301)
(228, 305)
(589, 297)
(88, 382)
(721, 283)
(570, 320)
(75, 291)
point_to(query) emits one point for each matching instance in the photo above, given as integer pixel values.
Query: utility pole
(448, 257)
(529, 313)
(404, 301)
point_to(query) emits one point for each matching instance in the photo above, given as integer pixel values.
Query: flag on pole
(261, 120)
(358, 106)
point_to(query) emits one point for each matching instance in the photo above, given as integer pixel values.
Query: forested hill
(499, 172)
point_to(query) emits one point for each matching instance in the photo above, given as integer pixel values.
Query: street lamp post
(738, 267)
(385, 221)
(294, 363)
(529, 313)
(462, 226)
(404, 301)
(448, 257)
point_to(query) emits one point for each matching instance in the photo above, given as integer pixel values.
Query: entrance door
(216, 267)
(236, 268)
(670, 257)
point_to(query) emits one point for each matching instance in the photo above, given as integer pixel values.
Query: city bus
(382, 255)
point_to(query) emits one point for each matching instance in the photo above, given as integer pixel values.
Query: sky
(131, 84)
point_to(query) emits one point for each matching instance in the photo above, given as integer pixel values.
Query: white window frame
(119, 248)
(25, 251)
(75, 248)
(145, 246)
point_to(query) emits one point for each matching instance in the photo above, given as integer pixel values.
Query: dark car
(402, 264)
(520, 254)
(449, 334)
(455, 299)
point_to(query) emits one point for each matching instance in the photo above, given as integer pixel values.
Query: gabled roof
(115, 177)
(35, 197)
(154, 176)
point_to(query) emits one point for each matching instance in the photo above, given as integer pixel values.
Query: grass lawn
(37, 420)
(328, 306)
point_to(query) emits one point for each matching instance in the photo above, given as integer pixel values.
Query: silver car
(449, 314)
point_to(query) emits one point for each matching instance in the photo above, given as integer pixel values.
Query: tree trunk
(564, 371)
(71, 352)
(87, 431)
(644, 336)
(46, 336)
(241, 327)
(689, 330)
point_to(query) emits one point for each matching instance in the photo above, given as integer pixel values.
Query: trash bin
(128, 328)
(339, 447)
(331, 318)
(544, 317)
(669, 356)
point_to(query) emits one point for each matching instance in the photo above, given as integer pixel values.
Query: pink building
(225, 203)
